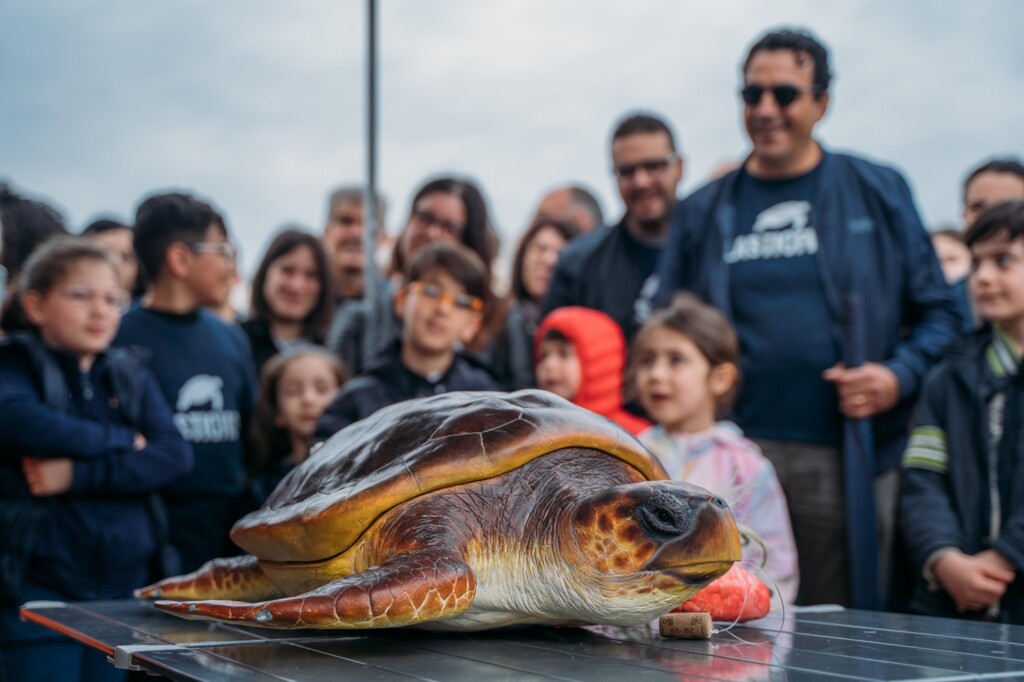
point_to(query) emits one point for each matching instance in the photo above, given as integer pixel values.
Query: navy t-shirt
(780, 313)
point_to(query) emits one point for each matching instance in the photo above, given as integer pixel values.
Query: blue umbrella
(858, 471)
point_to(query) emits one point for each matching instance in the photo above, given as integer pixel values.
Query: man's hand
(864, 391)
(973, 582)
(996, 560)
(140, 442)
(47, 476)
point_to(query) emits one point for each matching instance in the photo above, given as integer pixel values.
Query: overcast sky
(259, 105)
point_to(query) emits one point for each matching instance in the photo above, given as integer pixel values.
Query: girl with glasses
(86, 437)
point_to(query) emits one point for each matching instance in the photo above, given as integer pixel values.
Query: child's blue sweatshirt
(205, 370)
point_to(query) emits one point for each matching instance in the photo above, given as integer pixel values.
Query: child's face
(954, 256)
(558, 369)
(304, 391)
(437, 313)
(997, 279)
(80, 314)
(211, 274)
(676, 384)
(292, 285)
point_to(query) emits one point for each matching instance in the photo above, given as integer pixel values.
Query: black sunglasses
(784, 95)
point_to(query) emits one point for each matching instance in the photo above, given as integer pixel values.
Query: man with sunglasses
(818, 259)
(606, 268)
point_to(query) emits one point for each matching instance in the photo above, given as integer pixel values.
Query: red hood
(601, 349)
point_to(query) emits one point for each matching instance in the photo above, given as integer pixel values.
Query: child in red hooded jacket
(581, 356)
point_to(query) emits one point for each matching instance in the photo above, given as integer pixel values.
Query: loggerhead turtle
(467, 511)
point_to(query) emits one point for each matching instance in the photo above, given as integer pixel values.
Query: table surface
(816, 644)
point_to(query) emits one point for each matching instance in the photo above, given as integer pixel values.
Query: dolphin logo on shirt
(202, 389)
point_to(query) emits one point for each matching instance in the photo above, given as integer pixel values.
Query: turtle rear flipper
(409, 589)
(239, 577)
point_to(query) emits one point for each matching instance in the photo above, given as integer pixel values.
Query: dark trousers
(812, 478)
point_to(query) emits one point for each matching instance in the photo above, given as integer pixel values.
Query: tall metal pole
(371, 281)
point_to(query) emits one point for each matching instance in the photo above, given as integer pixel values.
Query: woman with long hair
(511, 353)
(291, 296)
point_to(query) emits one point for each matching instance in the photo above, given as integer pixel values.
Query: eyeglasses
(225, 249)
(784, 95)
(426, 219)
(627, 171)
(436, 293)
(84, 297)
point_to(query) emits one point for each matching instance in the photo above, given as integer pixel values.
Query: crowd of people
(784, 336)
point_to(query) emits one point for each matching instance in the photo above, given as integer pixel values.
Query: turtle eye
(664, 517)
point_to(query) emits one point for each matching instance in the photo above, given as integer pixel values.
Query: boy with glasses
(203, 366)
(821, 263)
(441, 309)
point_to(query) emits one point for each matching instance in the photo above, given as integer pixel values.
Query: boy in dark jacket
(441, 308)
(963, 473)
(204, 367)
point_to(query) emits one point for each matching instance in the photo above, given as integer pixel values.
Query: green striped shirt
(926, 448)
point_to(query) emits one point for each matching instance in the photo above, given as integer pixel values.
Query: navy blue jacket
(945, 499)
(103, 537)
(871, 242)
(387, 381)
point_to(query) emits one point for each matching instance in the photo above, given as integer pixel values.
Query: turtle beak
(696, 532)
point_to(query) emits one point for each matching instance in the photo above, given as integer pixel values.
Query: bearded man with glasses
(606, 268)
(822, 264)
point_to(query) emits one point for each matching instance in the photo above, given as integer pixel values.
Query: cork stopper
(685, 625)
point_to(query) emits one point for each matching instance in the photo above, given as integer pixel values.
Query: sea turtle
(467, 511)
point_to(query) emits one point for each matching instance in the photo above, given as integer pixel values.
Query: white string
(746, 594)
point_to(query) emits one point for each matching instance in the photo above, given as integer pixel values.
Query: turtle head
(664, 539)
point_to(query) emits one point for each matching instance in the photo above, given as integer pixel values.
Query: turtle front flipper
(406, 590)
(239, 577)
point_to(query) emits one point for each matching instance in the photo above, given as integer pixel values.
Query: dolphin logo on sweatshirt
(213, 424)
(201, 389)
